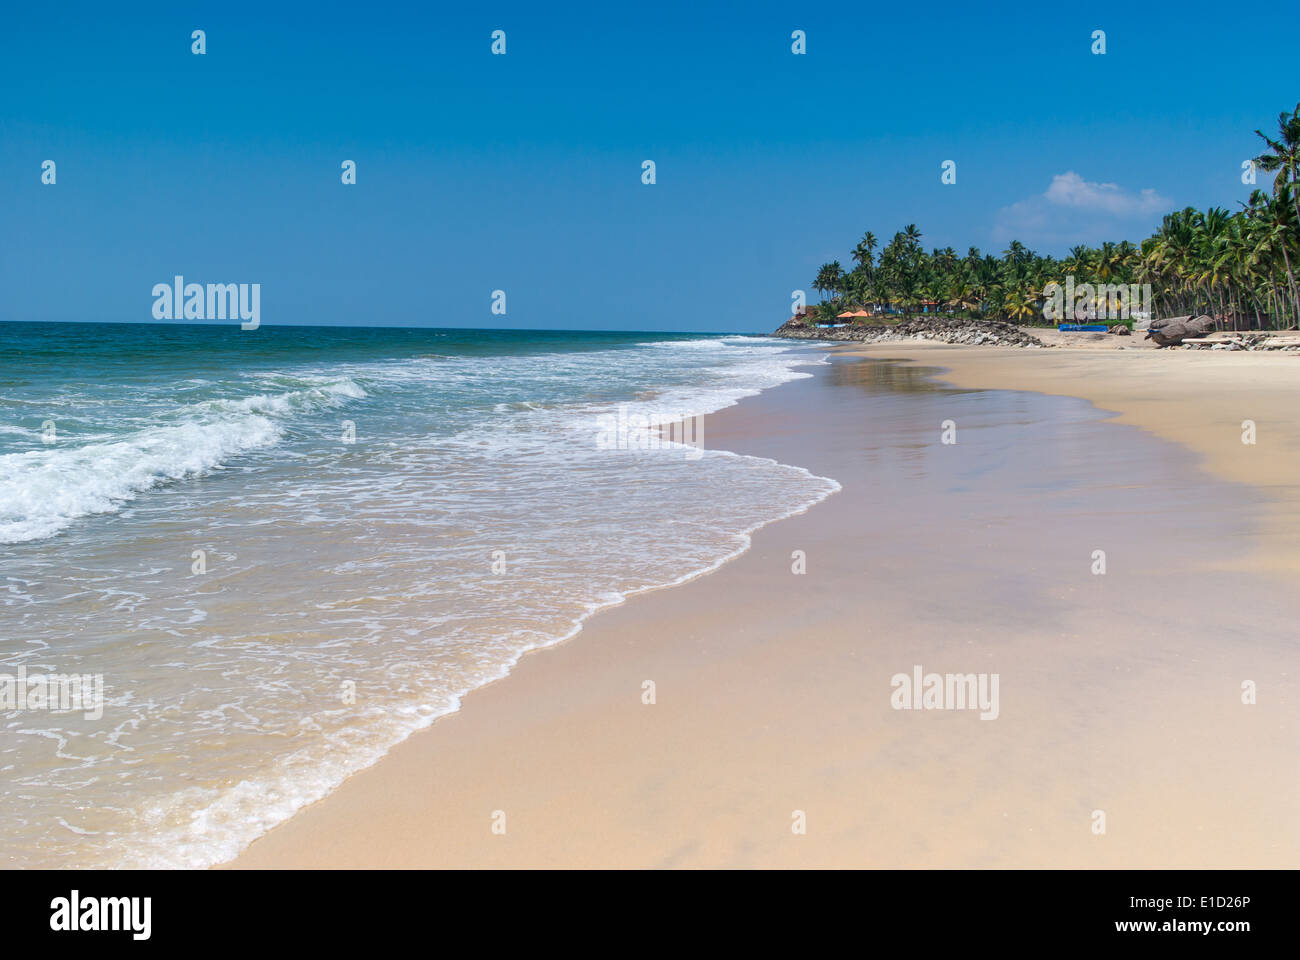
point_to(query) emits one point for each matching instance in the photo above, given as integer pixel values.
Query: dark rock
(1170, 331)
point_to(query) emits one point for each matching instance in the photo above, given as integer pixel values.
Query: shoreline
(532, 743)
(1186, 397)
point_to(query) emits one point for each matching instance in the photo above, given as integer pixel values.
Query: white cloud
(1074, 210)
(1071, 190)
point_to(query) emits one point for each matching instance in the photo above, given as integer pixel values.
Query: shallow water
(272, 604)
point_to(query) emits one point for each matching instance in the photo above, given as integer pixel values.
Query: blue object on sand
(1083, 327)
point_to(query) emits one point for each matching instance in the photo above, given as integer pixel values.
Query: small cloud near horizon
(1073, 210)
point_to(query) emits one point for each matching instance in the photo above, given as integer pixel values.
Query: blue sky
(523, 172)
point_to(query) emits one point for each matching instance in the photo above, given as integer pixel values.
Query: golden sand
(1120, 695)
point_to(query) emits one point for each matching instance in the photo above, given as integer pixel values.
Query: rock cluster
(942, 329)
(1254, 340)
(1171, 331)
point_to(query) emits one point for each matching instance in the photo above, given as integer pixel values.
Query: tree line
(1236, 266)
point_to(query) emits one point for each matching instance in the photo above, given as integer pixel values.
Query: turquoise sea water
(285, 549)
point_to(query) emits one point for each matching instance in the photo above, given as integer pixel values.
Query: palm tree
(1276, 231)
(1022, 303)
(864, 252)
(819, 282)
(1285, 158)
(838, 279)
(960, 295)
(826, 277)
(1235, 265)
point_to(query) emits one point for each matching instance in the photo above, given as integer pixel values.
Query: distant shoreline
(946, 329)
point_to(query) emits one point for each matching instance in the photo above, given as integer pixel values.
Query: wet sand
(1119, 693)
(1198, 399)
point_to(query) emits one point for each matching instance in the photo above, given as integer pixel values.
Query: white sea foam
(43, 491)
(366, 561)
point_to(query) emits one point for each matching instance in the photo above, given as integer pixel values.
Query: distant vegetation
(1239, 267)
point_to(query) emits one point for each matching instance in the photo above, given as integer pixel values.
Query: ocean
(282, 551)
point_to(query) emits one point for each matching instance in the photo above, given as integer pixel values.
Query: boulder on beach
(1170, 331)
(1121, 330)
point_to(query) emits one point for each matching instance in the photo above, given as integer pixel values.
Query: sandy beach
(1120, 693)
(1197, 399)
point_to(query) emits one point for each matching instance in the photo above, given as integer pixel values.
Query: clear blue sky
(523, 172)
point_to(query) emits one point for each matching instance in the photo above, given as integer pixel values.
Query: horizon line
(353, 326)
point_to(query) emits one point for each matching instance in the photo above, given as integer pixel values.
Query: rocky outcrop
(1253, 340)
(942, 329)
(1171, 331)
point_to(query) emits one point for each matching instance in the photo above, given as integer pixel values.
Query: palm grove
(1236, 266)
